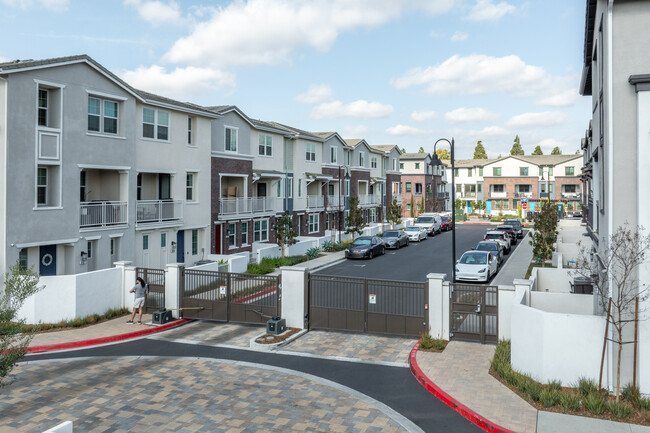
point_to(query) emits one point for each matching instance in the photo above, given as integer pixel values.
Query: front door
(47, 260)
(163, 249)
(217, 238)
(180, 246)
(261, 190)
(164, 186)
(145, 251)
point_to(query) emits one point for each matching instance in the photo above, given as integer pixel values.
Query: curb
(464, 411)
(104, 340)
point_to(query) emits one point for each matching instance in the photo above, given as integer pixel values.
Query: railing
(155, 211)
(249, 205)
(469, 194)
(369, 200)
(442, 195)
(498, 194)
(315, 201)
(571, 195)
(103, 213)
(523, 194)
(335, 202)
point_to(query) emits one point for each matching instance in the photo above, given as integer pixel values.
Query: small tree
(544, 235)
(556, 151)
(421, 207)
(615, 277)
(19, 285)
(516, 147)
(354, 220)
(393, 214)
(443, 154)
(479, 151)
(421, 149)
(285, 235)
(458, 204)
(538, 151)
(412, 208)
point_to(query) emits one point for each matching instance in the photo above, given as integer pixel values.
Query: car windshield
(486, 246)
(444, 219)
(390, 235)
(412, 229)
(513, 223)
(361, 242)
(474, 259)
(505, 228)
(424, 220)
(494, 236)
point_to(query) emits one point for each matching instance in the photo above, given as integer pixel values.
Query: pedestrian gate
(229, 297)
(155, 279)
(365, 305)
(474, 313)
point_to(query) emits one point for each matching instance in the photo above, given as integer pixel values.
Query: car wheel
(407, 242)
(369, 254)
(383, 251)
(398, 245)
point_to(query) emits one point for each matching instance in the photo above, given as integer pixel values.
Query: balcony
(443, 195)
(103, 213)
(571, 195)
(250, 205)
(468, 195)
(494, 194)
(519, 194)
(315, 202)
(335, 202)
(158, 211)
(369, 200)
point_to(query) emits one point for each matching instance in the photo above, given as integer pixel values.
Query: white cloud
(462, 114)
(4, 59)
(546, 118)
(57, 5)
(486, 10)
(562, 98)
(549, 144)
(459, 37)
(406, 130)
(157, 12)
(423, 116)
(180, 83)
(360, 108)
(315, 94)
(354, 131)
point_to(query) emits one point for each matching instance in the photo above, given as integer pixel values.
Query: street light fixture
(435, 161)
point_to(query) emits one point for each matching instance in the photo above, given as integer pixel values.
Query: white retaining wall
(552, 280)
(569, 303)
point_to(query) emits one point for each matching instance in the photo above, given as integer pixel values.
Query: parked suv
(499, 236)
(516, 224)
(431, 222)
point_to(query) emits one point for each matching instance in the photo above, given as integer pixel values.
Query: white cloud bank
(157, 13)
(406, 130)
(359, 109)
(461, 115)
(57, 5)
(459, 37)
(315, 94)
(423, 116)
(487, 10)
(527, 120)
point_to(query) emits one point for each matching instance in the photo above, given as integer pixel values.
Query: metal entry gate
(474, 313)
(155, 278)
(229, 297)
(364, 305)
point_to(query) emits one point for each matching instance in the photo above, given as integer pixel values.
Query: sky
(404, 72)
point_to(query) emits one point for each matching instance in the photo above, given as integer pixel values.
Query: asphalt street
(393, 386)
(415, 262)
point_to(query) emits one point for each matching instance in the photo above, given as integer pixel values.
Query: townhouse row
(97, 172)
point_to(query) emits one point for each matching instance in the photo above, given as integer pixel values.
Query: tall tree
(403, 150)
(516, 147)
(393, 214)
(443, 154)
(285, 235)
(421, 150)
(537, 151)
(544, 235)
(556, 151)
(479, 151)
(19, 284)
(354, 221)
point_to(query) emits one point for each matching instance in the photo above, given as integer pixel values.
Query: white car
(415, 234)
(477, 266)
(500, 237)
(431, 222)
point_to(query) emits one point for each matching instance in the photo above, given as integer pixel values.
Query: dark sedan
(492, 246)
(365, 247)
(395, 239)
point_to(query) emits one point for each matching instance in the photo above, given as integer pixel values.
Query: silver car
(477, 266)
(395, 239)
(416, 234)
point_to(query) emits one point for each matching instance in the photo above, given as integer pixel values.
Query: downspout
(610, 166)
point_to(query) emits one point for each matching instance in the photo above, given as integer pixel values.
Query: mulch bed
(273, 339)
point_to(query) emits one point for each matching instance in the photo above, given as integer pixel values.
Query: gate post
(172, 288)
(294, 296)
(438, 306)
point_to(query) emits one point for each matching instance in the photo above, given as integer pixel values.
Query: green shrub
(570, 401)
(549, 397)
(586, 386)
(532, 389)
(339, 246)
(620, 409)
(327, 246)
(594, 402)
(312, 253)
(426, 341)
(646, 414)
(629, 395)
(554, 385)
(643, 403)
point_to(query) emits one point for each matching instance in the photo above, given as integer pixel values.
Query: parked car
(577, 214)
(477, 266)
(447, 223)
(395, 239)
(499, 236)
(511, 232)
(516, 224)
(492, 246)
(415, 234)
(431, 222)
(365, 247)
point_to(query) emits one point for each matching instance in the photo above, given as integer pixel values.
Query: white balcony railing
(571, 195)
(498, 194)
(519, 194)
(315, 201)
(155, 211)
(103, 213)
(369, 200)
(335, 202)
(250, 205)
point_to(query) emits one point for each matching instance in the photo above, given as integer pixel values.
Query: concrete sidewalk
(517, 264)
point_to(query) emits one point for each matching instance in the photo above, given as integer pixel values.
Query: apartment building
(70, 122)
(363, 163)
(390, 175)
(423, 188)
(616, 147)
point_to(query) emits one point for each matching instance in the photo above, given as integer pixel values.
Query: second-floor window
(155, 124)
(408, 186)
(41, 187)
(568, 171)
(333, 155)
(189, 130)
(310, 152)
(82, 186)
(265, 145)
(455, 172)
(373, 162)
(417, 165)
(190, 186)
(523, 171)
(347, 187)
(102, 115)
(394, 164)
(570, 189)
(496, 171)
(401, 166)
(362, 159)
(231, 139)
(469, 172)
(418, 188)
(497, 188)
(43, 97)
(480, 171)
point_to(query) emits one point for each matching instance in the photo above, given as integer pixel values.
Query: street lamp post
(435, 161)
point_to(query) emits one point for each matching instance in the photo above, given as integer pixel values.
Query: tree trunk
(618, 364)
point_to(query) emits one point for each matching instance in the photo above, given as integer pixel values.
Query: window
(41, 187)
(82, 186)
(138, 191)
(145, 242)
(189, 130)
(155, 124)
(362, 159)
(189, 187)
(418, 188)
(496, 171)
(102, 115)
(417, 165)
(550, 171)
(568, 171)
(195, 242)
(113, 244)
(570, 188)
(278, 191)
(479, 187)
(401, 166)
(231, 139)
(265, 145)
(333, 154)
(244, 233)
(290, 187)
(469, 172)
(505, 204)
(372, 215)
(22, 259)
(408, 206)
(459, 188)
(524, 188)
(299, 187)
(163, 241)
(455, 172)
(394, 164)
(347, 187)
(542, 188)
(523, 171)
(480, 171)
(347, 157)
(408, 186)
(541, 171)
(261, 230)
(89, 249)
(310, 153)
(330, 189)
(373, 162)
(43, 96)
(231, 234)
(313, 222)
(497, 188)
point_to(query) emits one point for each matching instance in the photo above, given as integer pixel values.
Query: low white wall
(569, 252)
(66, 297)
(555, 346)
(568, 303)
(552, 280)
(239, 263)
(506, 296)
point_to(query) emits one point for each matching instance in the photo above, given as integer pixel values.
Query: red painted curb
(463, 410)
(103, 340)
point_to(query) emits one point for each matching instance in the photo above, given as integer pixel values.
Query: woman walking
(140, 289)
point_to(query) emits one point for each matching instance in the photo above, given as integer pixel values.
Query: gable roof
(531, 159)
(386, 148)
(419, 156)
(297, 133)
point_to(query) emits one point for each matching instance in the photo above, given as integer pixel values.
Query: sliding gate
(229, 297)
(474, 313)
(155, 279)
(364, 305)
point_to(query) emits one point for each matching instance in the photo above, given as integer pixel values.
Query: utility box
(276, 326)
(161, 317)
(582, 285)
